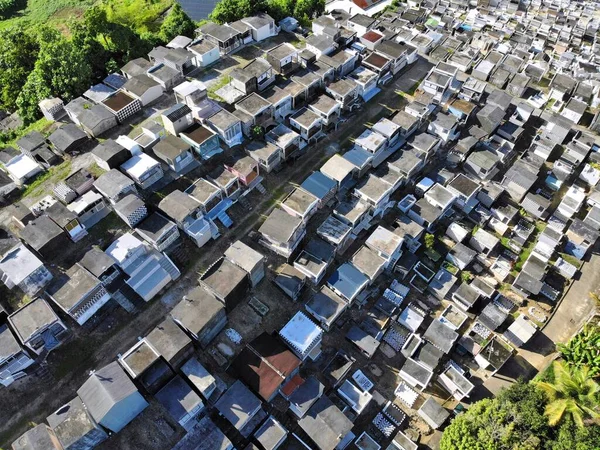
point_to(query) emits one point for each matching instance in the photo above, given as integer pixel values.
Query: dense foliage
(41, 62)
(6, 5)
(177, 23)
(584, 350)
(303, 10)
(513, 420)
(520, 417)
(573, 394)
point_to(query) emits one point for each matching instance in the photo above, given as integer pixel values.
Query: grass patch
(140, 15)
(550, 103)
(528, 248)
(544, 82)
(277, 196)
(411, 91)
(43, 126)
(96, 170)
(298, 43)
(570, 259)
(33, 12)
(505, 242)
(47, 179)
(221, 82)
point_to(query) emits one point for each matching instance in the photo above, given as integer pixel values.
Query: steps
(169, 267)
(244, 202)
(260, 188)
(124, 302)
(225, 219)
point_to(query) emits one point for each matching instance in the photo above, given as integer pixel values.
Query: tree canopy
(584, 349)
(303, 10)
(18, 52)
(61, 69)
(573, 394)
(177, 23)
(516, 420)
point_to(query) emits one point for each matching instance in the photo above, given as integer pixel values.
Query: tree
(306, 10)
(6, 6)
(18, 52)
(584, 349)
(514, 420)
(96, 55)
(177, 23)
(571, 437)
(573, 394)
(232, 10)
(229, 10)
(96, 23)
(280, 9)
(61, 70)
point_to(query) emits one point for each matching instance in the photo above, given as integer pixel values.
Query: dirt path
(33, 400)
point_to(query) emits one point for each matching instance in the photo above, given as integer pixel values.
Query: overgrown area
(302, 10)
(39, 60)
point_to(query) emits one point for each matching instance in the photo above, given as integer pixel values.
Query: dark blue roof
(347, 280)
(318, 185)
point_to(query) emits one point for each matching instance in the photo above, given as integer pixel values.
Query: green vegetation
(583, 350)
(570, 259)
(466, 276)
(222, 81)
(411, 91)
(9, 139)
(303, 10)
(48, 178)
(429, 240)
(39, 59)
(516, 420)
(96, 170)
(450, 267)
(573, 394)
(524, 255)
(25, 14)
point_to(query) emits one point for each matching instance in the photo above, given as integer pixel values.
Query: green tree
(61, 70)
(96, 23)
(6, 6)
(306, 10)
(466, 276)
(280, 9)
(232, 10)
(95, 53)
(514, 420)
(177, 23)
(18, 52)
(584, 348)
(229, 10)
(571, 437)
(573, 393)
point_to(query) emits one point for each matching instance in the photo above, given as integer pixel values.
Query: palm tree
(573, 393)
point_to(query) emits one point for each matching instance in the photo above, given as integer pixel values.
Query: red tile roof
(372, 36)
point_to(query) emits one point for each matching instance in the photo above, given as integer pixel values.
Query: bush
(584, 349)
